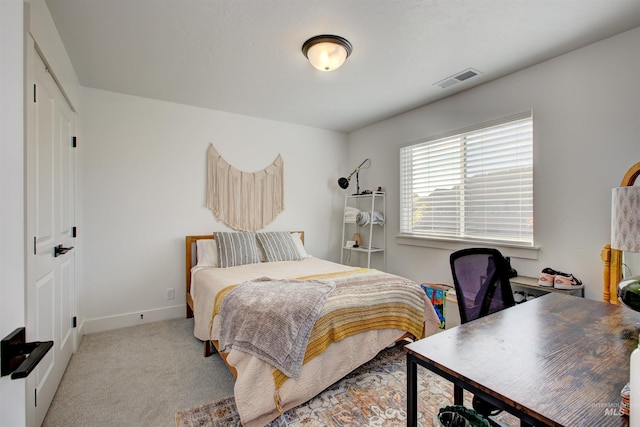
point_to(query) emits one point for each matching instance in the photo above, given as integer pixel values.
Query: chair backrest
(481, 280)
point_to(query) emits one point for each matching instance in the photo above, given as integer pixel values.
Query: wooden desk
(557, 360)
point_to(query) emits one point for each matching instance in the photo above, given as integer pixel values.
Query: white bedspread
(207, 282)
(254, 389)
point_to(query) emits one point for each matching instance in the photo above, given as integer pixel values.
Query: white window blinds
(476, 184)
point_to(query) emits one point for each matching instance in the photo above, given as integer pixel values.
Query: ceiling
(244, 56)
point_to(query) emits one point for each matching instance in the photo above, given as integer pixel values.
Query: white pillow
(207, 253)
(297, 241)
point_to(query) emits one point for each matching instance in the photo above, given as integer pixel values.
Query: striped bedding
(366, 312)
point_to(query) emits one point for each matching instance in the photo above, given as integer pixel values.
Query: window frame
(526, 249)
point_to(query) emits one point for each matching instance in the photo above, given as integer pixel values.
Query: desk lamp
(344, 182)
(625, 236)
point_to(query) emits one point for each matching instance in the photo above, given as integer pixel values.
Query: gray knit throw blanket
(272, 319)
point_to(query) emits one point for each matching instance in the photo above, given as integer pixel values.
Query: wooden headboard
(190, 261)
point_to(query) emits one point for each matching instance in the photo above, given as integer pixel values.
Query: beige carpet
(138, 376)
(372, 395)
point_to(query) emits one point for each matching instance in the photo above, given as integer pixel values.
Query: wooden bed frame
(190, 261)
(212, 346)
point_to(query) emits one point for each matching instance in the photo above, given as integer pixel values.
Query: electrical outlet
(171, 293)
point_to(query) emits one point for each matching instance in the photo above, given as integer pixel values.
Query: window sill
(515, 251)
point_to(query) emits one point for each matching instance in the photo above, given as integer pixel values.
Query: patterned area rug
(372, 395)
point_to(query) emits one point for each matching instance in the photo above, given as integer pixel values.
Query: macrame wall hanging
(244, 201)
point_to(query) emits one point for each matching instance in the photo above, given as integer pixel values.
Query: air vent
(460, 77)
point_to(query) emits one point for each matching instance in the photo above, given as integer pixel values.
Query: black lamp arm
(344, 182)
(358, 168)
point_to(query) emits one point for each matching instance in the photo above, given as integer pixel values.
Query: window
(475, 184)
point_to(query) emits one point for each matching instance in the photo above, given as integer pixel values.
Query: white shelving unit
(374, 237)
(523, 283)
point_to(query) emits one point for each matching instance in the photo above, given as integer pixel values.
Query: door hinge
(35, 397)
(35, 252)
(74, 231)
(74, 141)
(74, 322)
(34, 92)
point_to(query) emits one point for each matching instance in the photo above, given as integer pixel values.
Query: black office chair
(481, 280)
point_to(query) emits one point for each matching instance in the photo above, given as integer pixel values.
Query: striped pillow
(236, 248)
(278, 246)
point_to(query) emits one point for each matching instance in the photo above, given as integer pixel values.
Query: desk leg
(412, 392)
(458, 395)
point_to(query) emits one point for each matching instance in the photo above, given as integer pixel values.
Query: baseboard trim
(91, 326)
(81, 331)
(79, 334)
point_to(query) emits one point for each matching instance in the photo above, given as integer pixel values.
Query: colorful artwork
(437, 295)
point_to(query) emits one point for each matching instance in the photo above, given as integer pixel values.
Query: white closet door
(50, 180)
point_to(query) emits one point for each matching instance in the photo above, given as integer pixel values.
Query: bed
(262, 392)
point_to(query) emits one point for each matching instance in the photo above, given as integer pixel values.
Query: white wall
(12, 294)
(143, 189)
(586, 135)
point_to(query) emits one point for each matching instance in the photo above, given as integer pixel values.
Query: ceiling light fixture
(327, 52)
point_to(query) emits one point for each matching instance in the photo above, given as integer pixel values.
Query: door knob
(61, 250)
(19, 358)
